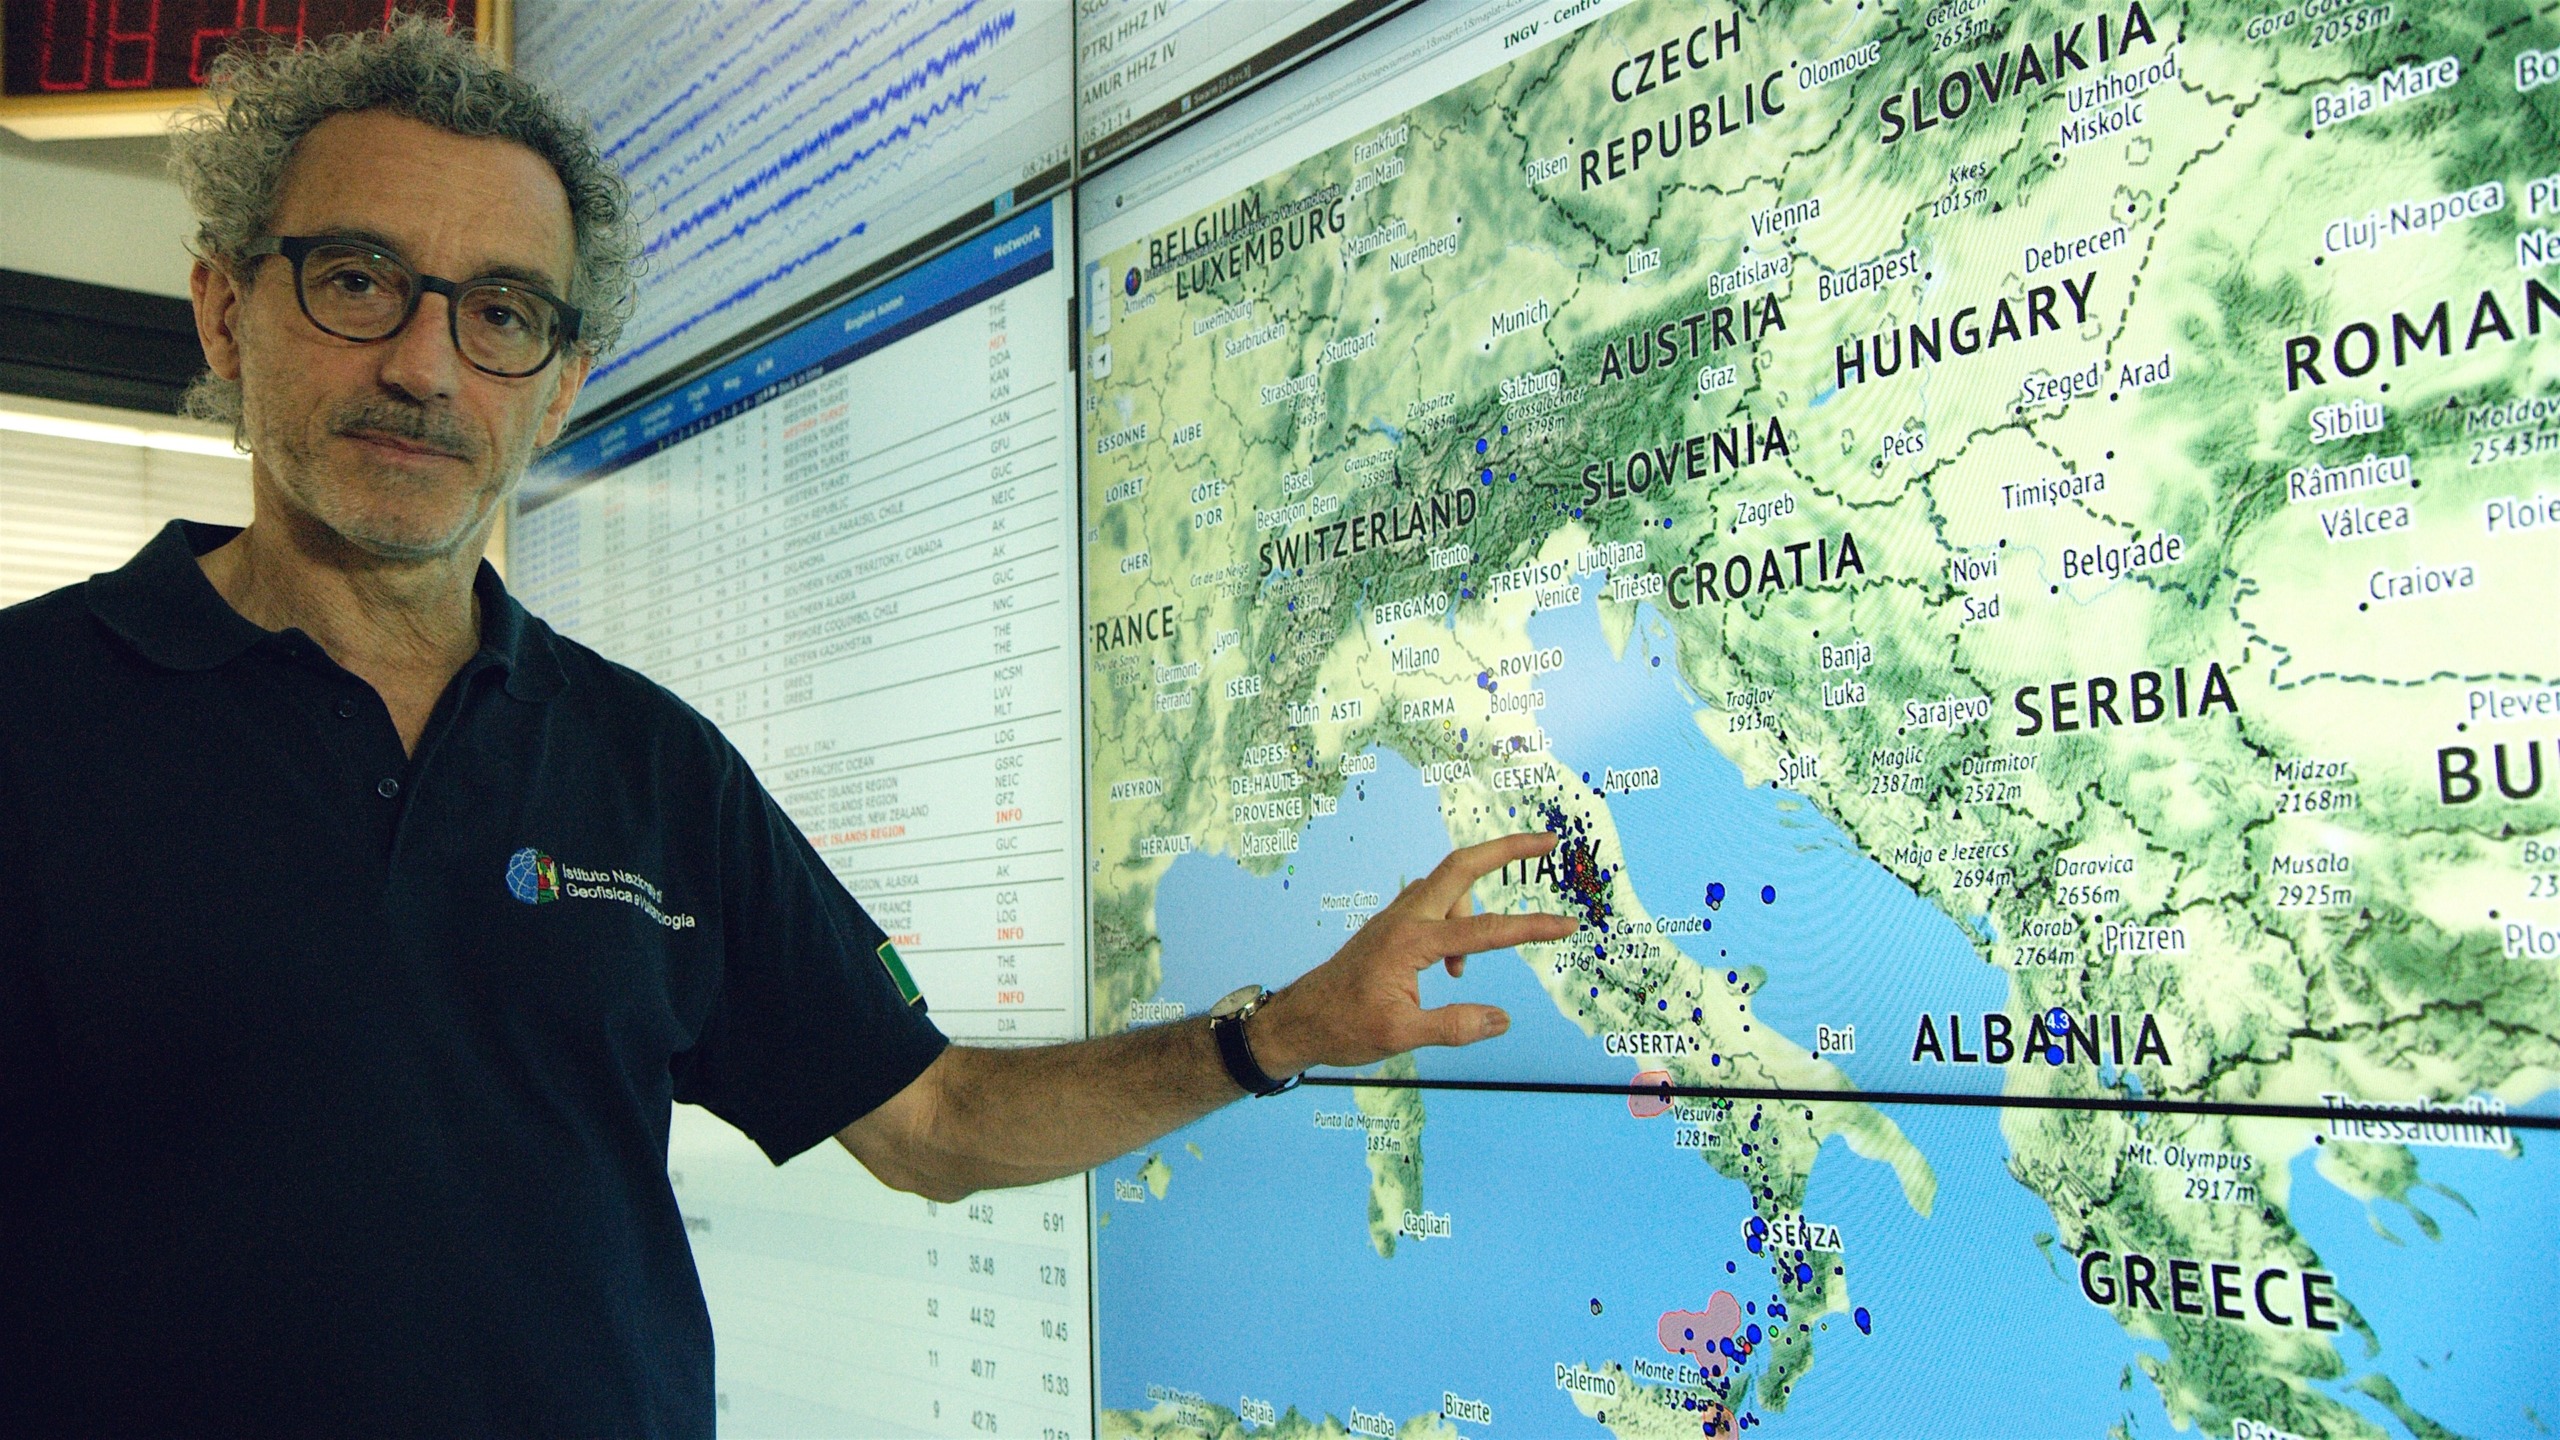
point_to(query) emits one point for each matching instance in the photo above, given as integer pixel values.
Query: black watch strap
(1242, 1068)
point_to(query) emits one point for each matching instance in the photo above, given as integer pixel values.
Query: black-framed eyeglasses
(359, 291)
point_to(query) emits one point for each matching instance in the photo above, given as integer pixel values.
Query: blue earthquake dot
(1715, 1059)
(1715, 892)
(1480, 446)
(1657, 662)
(1768, 894)
(2053, 1054)
(1754, 1333)
(1661, 1004)
(1804, 1274)
(1728, 1267)
(1865, 1322)
(1595, 992)
(1730, 976)
(1505, 429)
(2058, 1020)
(1697, 1014)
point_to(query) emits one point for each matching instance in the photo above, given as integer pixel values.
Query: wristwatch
(1226, 1022)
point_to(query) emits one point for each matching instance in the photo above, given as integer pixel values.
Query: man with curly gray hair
(401, 98)
(357, 931)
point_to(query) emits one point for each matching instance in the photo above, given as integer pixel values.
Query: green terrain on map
(2099, 456)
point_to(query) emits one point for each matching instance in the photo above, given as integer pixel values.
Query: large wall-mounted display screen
(780, 153)
(853, 547)
(2013, 547)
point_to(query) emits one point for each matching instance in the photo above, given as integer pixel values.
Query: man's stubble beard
(301, 468)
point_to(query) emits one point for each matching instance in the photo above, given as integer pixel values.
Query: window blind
(72, 508)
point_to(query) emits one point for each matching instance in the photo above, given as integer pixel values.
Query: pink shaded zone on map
(1645, 1107)
(1697, 1333)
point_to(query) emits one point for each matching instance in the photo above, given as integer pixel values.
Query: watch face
(1236, 1002)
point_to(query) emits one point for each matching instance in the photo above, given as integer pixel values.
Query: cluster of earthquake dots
(1583, 882)
(1580, 877)
(1719, 1369)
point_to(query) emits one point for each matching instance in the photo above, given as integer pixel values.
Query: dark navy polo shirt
(334, 1081)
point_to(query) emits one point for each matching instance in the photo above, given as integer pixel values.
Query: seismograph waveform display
(676, 178)
(774, 152)
(869, 108)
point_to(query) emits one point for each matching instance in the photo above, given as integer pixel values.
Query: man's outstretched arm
(978, 1119)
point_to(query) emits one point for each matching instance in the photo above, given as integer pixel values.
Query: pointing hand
(1364, 1004)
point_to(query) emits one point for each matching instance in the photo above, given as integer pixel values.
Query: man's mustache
(437, 430)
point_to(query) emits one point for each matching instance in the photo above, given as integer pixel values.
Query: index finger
(1467, 935)
(1439, 892)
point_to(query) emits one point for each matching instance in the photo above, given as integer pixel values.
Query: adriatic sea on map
(2017, 546)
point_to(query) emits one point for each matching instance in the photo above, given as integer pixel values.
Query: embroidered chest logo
(533, 877)
(536, 879)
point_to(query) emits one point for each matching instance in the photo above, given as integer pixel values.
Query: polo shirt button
(388, 788)
(346, 709)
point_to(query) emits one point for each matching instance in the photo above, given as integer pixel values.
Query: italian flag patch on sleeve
(898, 975)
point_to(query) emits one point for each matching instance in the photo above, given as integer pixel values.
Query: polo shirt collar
(165, 608)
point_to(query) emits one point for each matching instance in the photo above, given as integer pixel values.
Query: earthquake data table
(853, 550)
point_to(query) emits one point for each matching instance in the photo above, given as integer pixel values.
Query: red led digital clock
(120, 67)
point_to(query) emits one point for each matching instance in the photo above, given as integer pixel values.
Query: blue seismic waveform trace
(775, 150)
(870, 108)
(794, 262)
(618, 150)
(758, 85)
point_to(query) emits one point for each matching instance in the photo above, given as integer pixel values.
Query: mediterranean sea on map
(1844, 943)
(1574, 1226)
